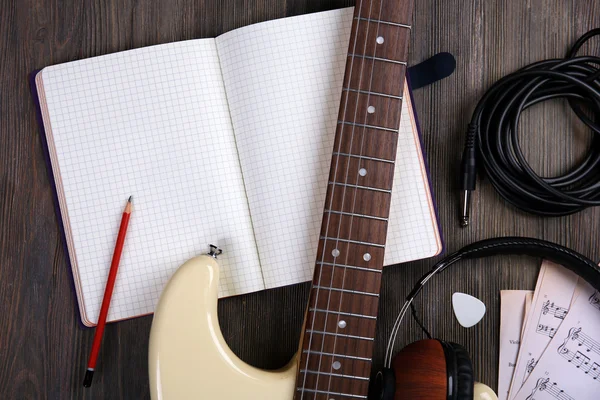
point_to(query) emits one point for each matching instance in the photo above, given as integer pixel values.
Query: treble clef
(574, 333)
(539, 386)
(545, 307)
(530, 365)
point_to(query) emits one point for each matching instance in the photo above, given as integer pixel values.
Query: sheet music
(573, 355)
(545, 388)
(553, 295)
(513, 309)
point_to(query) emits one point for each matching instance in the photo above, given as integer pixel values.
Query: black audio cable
(492, 136)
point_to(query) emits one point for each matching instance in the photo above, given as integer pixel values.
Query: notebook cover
(411, 71)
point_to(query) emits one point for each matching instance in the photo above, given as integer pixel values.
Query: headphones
(434, 369)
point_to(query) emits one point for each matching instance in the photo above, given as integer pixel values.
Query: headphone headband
(570, 259)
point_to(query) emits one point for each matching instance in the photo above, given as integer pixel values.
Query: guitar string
(334, 266)
(310, 338)
(360, 159)
(388, 106)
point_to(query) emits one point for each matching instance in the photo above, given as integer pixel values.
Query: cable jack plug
(468, 175)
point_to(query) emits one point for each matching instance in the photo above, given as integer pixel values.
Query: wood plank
(43, 349)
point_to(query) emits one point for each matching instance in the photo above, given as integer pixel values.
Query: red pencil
(110, 284)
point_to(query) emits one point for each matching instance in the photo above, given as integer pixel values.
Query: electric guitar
(188, 357)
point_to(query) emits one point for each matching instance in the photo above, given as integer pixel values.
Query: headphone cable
(492, 136)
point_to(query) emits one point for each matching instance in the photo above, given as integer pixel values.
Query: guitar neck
(337, 343)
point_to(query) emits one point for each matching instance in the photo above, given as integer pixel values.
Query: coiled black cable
(492, 136)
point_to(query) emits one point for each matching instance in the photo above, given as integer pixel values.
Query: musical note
(583, 340)
(595, 300)
(551, 389)
(578, 359)
(552, 309)
(545, 330)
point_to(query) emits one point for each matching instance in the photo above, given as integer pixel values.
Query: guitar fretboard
(337, 344)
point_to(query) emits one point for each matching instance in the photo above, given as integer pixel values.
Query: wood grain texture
(43, 350)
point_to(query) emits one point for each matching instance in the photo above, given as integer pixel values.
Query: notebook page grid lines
(284, 81)
(283, 167)
(152, 123)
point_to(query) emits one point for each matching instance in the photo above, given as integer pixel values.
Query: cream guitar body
(188, 357)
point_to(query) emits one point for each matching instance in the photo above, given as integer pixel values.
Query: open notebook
(225, 141)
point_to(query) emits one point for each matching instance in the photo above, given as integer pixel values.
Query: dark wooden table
(43, 350)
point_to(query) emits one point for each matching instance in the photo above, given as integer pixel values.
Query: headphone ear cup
(421, 371)
(462, 373)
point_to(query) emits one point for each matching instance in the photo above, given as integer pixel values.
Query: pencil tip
(129, 200)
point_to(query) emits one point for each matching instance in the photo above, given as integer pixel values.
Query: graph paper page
(284, 80)
(153, 123)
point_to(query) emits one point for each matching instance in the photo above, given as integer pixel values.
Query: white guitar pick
(467, 309)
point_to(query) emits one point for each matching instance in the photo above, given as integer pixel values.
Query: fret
(358, 200)
(354, 229)
(330, 322)
(346, 291)
(344, 302)
(337, 239)
(350, 267)
(370, 339)
(328, 393)
(356, 215)
(320, 353)
(379, 112)
(378, 21)
(360, 187)
(325, 363)
(368, 126)
(398, 12)
(338, 277)
(330, 344)
(334, 381)
(376, 58)
(353, 347)
(350, 254)
(365, 74)
(382, 41)
(342, 313)
(360, 378)
(356, 171)
(366, 142)
(372, 93)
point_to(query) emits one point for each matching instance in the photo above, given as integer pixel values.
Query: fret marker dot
(367, 257)
(380, 40)
(370, 109)
(362, 172)
(342, 324)
(336, 365)
(335, 252)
